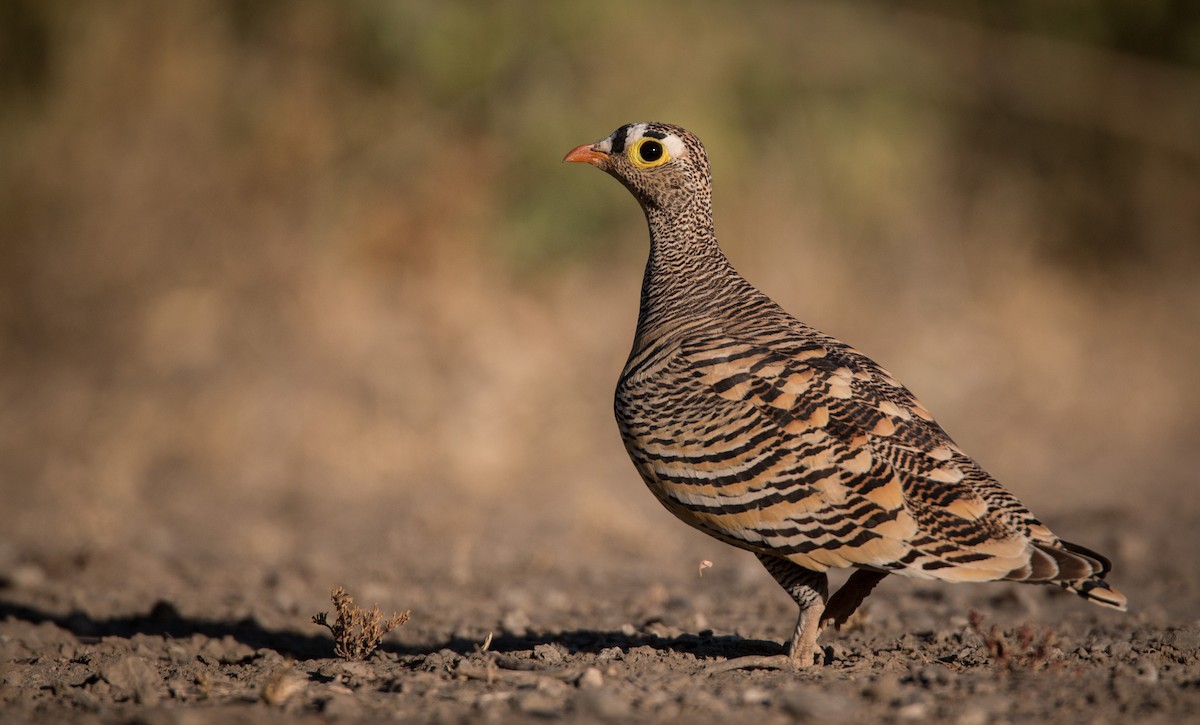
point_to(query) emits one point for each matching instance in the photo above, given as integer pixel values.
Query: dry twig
(357, 631)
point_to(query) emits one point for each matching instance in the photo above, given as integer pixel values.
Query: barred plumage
(773, 437)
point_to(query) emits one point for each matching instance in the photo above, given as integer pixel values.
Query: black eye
(650, 151)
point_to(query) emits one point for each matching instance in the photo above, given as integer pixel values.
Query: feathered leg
(809, 589)
(846, 600)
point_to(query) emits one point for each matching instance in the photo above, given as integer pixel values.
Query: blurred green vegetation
(207, 206)
(1071, 100)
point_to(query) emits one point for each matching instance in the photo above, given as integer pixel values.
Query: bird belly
(746, 489)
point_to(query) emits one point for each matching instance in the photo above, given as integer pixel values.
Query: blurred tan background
(265, 265)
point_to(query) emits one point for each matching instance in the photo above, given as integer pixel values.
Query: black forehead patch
(618, 138)
(660, 135)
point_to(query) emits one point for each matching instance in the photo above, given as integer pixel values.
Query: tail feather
(1099, 592)
(1072, 567)
(1104, 563)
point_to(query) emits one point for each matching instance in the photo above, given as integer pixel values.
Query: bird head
(664, 166)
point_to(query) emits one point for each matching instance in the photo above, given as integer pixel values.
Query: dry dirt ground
(203, 615)
(168, 526)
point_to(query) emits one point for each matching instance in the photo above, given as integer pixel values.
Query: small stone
(756, 696)
(628, 630)
(135, 676)
(590, 679)
(1147, 672)
(25, 576)
(490, 699)
(443, 659)
(355, 671)
(913, 711)
(551, 653)
(611, 653)
(281, 685)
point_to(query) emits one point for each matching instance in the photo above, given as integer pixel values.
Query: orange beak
(586, 154)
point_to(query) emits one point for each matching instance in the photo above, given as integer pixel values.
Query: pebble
(134, 675)
(281, 685)
(756, 696)
(1146, 672)
(355, 671)
(26, 576)
(488, 699)
(550, 653)
(913, 711)
(590, 679)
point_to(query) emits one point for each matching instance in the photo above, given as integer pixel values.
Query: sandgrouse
(773, 437)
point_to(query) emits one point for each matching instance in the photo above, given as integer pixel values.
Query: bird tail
(1099, 592)
(1072, 567)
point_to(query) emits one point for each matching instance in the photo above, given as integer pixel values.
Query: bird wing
(807, 449)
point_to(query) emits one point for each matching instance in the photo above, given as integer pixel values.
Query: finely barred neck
(687, 274)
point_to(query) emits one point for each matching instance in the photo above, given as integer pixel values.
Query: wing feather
(831, 462)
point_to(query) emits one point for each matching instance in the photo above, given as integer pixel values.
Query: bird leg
(809, 589)
(851, 594)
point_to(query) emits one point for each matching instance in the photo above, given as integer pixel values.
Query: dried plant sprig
(357, 631)
(1032, 650)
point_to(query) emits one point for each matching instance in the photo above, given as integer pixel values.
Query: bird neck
(687, 274)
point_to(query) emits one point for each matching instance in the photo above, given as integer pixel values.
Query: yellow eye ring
(648, 152)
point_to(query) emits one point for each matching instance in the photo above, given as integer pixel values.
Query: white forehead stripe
(635, 132)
